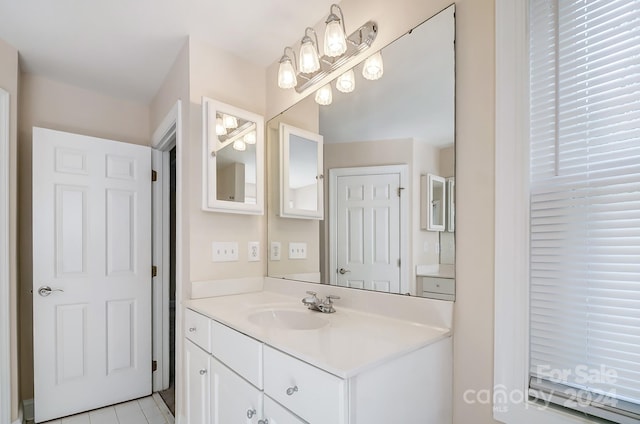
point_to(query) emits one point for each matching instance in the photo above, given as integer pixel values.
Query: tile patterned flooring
(148, 410)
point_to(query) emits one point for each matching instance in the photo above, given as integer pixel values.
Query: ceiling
(126, 47)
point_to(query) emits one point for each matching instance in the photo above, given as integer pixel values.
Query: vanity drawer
(438, 285)
(197, 328)
(276, 414)
(314, 395)
(239, 352)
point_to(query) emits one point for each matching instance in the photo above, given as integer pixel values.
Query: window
(584, 192)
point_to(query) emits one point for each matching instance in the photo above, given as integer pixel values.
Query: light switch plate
(297, 250)
(226, 251)
(254, 251)
(275, 251)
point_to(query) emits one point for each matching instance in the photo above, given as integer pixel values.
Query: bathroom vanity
(264, 358)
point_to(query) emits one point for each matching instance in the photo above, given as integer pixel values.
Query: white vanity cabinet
(250, 381)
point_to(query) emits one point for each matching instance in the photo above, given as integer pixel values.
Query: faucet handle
(312, 293)
(332, 296)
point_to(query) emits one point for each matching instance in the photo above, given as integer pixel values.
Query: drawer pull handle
(203, 372)
(192, 329)
(251, 413)
(292, 390)
(265, 421)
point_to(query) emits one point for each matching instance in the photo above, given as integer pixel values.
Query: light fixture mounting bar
(359, 40)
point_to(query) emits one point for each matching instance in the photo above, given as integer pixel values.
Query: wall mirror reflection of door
(407, 119)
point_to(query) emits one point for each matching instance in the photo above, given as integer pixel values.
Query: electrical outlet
(275, 252)
(254, 251)
(425, 247)
(224, 251)
(297, 250)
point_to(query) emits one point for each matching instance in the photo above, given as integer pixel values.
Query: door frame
(5, 262)
(166, 136)
(403, 171)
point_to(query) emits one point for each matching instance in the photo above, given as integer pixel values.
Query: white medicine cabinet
(301, 174)
(433, 208)
(233, 159)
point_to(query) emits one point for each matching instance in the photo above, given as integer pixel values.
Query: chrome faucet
(315, 304)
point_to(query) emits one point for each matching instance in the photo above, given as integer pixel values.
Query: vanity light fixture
(250, 137)
(346, 82)
(324, 95)
(312, 68)
(309, 54)
(335, 39)
(286, 72)
(240, 145)
(373, 67)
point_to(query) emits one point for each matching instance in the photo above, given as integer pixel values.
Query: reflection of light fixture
(373, 67)
(335, 40)
(309, 55)
(286, 72)
(346, 82)
(250, 137)
(324, 96)
(229, 121)
(220, 129)
(239, 145)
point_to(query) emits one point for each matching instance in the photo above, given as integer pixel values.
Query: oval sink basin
(287, 319)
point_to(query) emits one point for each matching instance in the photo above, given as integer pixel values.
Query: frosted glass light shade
(240, 145)
(346, 82)
(309, 60)
(250, 137)
(335, 41)
(286, 74)
(324, 95)
(373, 67)
(220, 129)
(229, 121)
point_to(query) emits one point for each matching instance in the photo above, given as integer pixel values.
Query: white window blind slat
(585, 200)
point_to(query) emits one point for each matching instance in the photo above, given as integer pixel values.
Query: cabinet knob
(251, 413)
(265, 421)
(203, 371)
(192, 329)
(292, 390)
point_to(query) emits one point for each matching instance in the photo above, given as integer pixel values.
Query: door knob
(343, 271)
(45, 291)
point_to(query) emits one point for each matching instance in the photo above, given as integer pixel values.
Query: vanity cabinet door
(197, 384)
(233, 399)
(274, 413)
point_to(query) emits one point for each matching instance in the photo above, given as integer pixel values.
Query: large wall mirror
(379, 141)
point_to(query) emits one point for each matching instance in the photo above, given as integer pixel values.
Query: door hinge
(154, 366)
(400, 191)
(154, 271)
(154, 176)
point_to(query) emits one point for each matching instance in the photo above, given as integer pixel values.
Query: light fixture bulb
(239, 145)
(346, 82)
(324, 95)
(335, 41)
(373, 67)
(229, 121)
(309, 60)
(220, 129)
(286, 74)
(250, 137)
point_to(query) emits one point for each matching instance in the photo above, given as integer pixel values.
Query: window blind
(585, 205)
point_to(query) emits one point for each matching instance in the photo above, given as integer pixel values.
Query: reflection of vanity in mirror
(233, 152)
(377, 143)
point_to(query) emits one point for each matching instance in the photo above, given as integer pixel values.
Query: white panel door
(91, 272)
(233, 399)
(368, 232)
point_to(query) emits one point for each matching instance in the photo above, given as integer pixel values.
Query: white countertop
(436, 270)
(351, 342)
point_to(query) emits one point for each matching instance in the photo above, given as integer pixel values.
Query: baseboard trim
(27, 410)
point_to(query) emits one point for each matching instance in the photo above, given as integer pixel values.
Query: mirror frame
(286, 131)
(209, 162)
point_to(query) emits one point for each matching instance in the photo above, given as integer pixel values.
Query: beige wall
(475, 86)
(222, 76)
(9, 82)
(51, 104)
